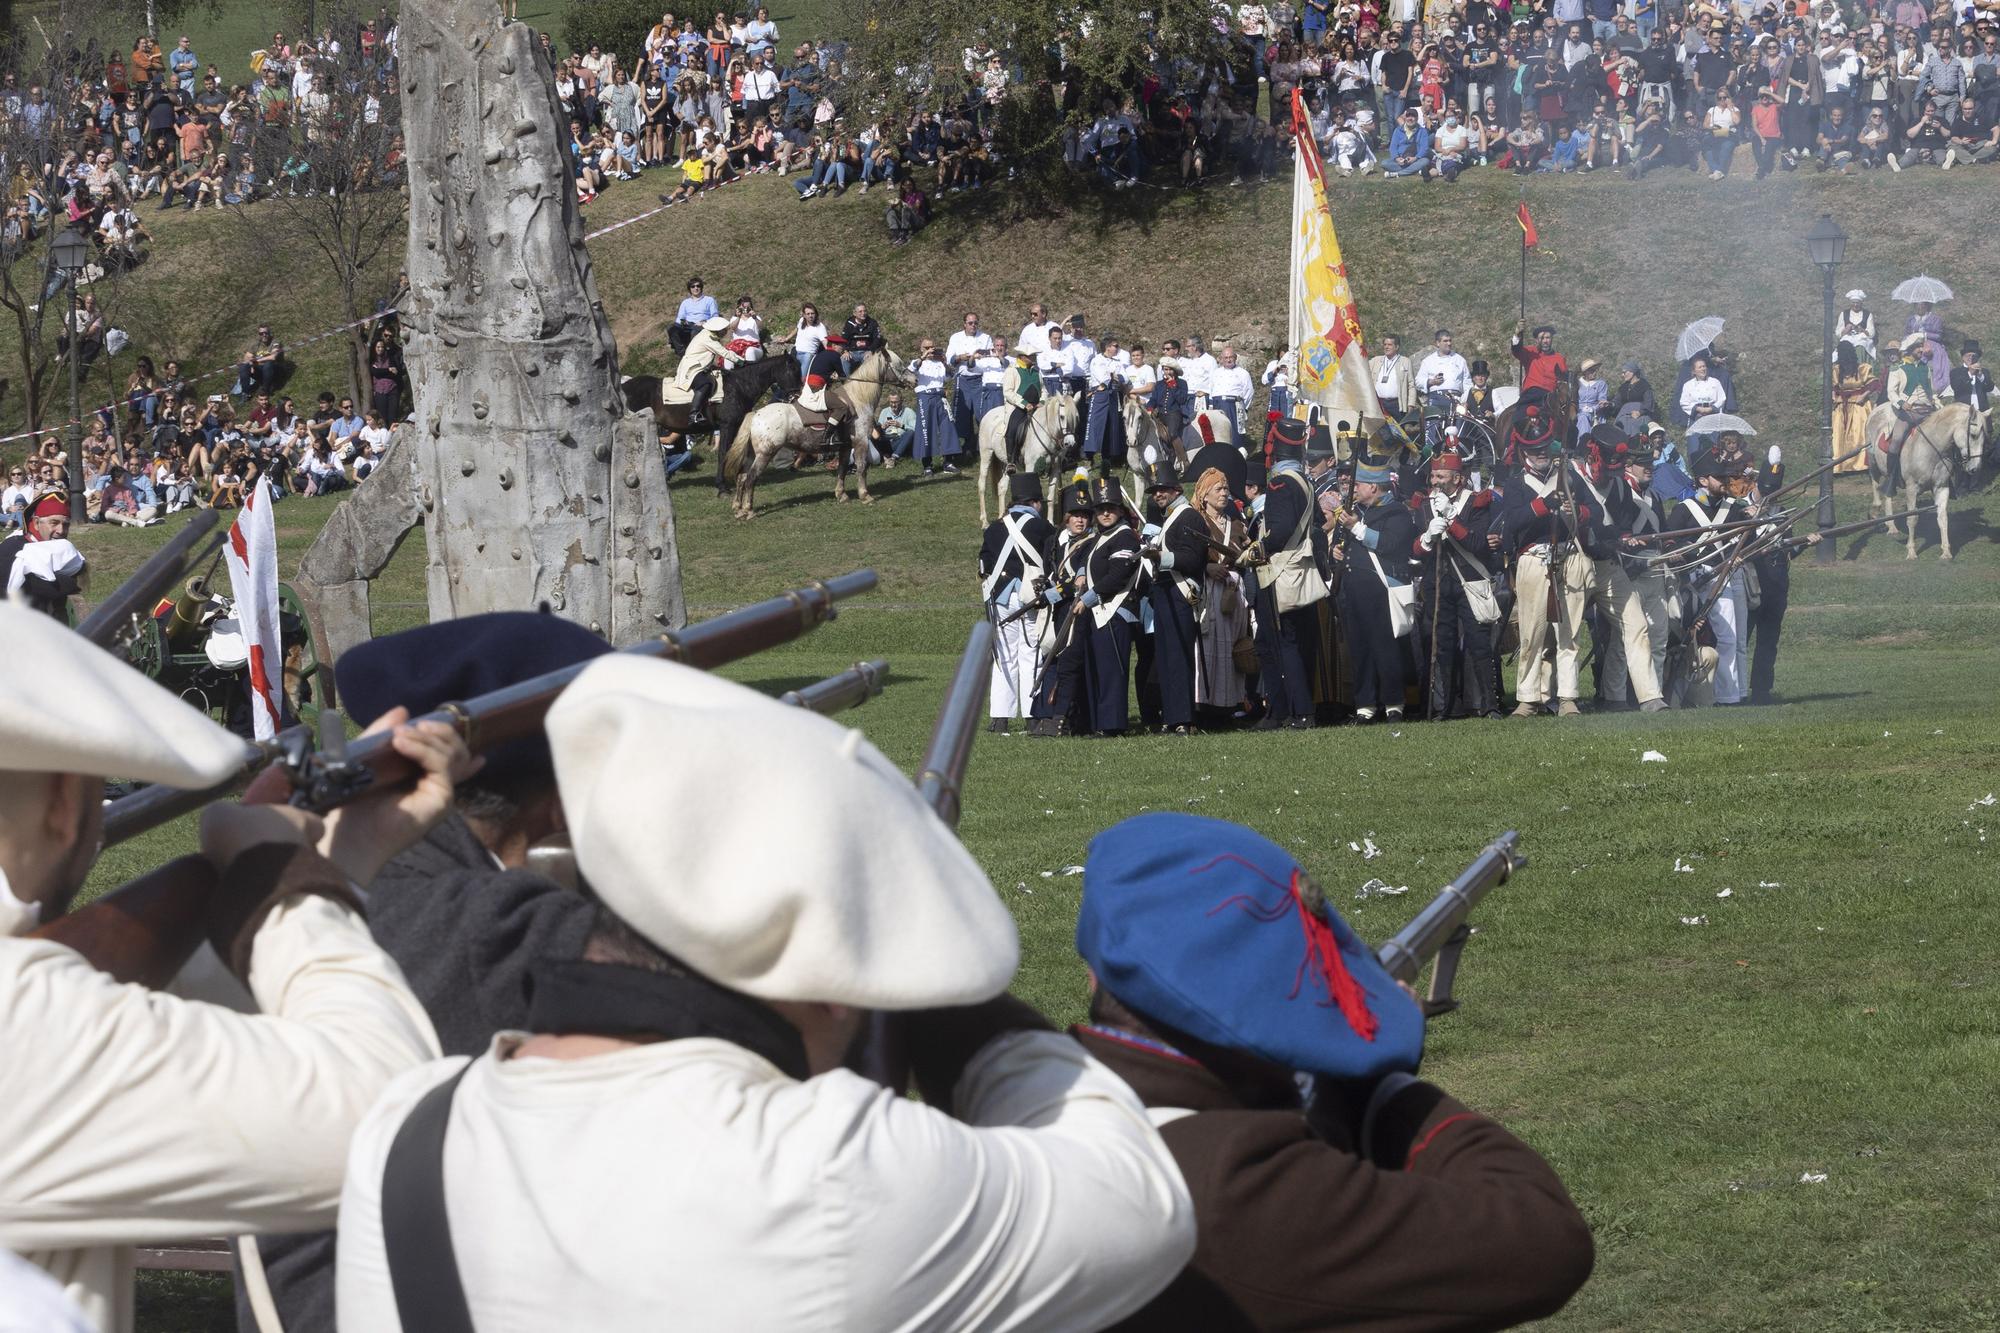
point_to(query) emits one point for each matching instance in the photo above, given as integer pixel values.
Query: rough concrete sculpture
(532, 483)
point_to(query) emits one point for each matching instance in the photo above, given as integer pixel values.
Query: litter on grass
(1652, 757)
(1375, 888)
(1369, 851)
(1682, 868)
(1072, 870)
(1813, 1178)
(1694, 921)
(1725, 893)
(1987, 799)
(1769, 884)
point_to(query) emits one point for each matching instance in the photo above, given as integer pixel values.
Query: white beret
(68, 706)
(770, 849)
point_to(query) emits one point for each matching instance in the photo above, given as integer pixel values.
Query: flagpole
(1524, 276)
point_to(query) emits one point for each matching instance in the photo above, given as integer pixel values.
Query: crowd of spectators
(89, 141)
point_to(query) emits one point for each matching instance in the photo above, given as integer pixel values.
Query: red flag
(1529, 238)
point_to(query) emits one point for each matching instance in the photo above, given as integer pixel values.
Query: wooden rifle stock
(496, 718)
(884, 1055)
(1440, 932)
(145, 931)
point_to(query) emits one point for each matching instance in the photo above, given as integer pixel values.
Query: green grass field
(1836, 1012)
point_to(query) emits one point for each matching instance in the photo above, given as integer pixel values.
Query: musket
(1845, 528)
(940, 781)
(139, 594)
(146, 930)
(1440, 930)
(490, 719)
(852, 687)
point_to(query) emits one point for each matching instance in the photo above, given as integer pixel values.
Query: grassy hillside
(1836, 1011)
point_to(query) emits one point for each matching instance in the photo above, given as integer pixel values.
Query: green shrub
(617, 26)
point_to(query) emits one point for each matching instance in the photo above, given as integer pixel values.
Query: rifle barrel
(856, 685)
(137, 595)
(1405, 955)
(1845, 528)
(518, 710)
(942, 777)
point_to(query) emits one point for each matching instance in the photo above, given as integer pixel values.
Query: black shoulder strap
(416, 1232)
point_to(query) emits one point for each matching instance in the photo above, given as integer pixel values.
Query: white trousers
(1730, 619)
(1632, 649)
(1541, 640)
(1015, 662)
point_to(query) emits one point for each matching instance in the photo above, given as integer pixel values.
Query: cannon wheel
(148, 651)
(301, 658)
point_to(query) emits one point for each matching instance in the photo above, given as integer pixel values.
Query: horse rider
(695, 310)
(1544, 370)
(1909, 390)
(700, 371)
(1376, 537)
(1171, 400)
(1012, 574)
(1373, 1200)
(1539, 523)
(1060, 702)
(1179, 556)
(1021, 394)
(1460, 542)
(1104, 429)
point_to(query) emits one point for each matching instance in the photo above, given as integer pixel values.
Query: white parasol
(1923, 287)
(1717, 422)
(1698, 337)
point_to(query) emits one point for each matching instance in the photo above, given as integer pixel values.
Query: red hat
(836, 340)
(1447, 461)
(53, 505)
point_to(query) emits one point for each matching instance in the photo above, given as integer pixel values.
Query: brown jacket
(1474, 1231)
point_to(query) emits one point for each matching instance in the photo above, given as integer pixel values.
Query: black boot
(698, 405)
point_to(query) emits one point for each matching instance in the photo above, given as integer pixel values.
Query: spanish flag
(1325, 325)
(1529, 237)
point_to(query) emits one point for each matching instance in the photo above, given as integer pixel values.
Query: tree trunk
(534, 484)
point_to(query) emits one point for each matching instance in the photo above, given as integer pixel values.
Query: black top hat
(1105, 493)
(1024, 488)
(1478, 368)
(1287, 440)
(1160, 475)
(1076, 499)
(1970, 347)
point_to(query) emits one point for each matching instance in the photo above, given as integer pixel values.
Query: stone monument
(533, 484)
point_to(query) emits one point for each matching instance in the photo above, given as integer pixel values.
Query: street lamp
(1826, 243)
(69, 251)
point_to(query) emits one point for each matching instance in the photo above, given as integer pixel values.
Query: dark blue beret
(1205, 926)
(455, 660)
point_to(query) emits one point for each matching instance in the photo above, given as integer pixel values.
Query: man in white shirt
(1443, 373)
(1703, 393)
(760, 90)
(1229, 388)
(1197, 368)
(1078, 353)
(679, 1115)
(1053, 362)
(133, 1116)
(1035, 333)
(962, 352)
(1103, 431)
(1395, 383)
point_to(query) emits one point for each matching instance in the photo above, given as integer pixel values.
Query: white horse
(1050, 437)
(778, 426)
(1943, 443)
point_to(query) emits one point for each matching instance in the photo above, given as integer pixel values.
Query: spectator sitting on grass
(226, 487)
(121, 502)
(372, 444)
(320, 472)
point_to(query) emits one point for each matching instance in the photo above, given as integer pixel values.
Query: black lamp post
(1826, 243)
(70, 252)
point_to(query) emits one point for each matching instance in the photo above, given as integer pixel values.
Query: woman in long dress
(1225, 611)
(1855, 385)
(1928, 322)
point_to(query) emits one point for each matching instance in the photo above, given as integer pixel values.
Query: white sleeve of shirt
(135, 1116)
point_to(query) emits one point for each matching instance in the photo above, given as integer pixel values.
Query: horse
(743, 387)
(1934, 452)
(777, 426)
(1048, 441)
